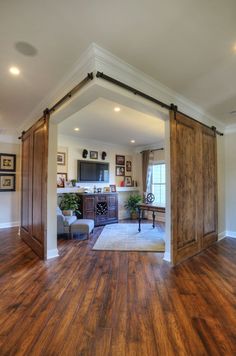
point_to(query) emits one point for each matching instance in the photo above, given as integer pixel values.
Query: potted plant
(73, 182)
(70, 204)
(131, 205)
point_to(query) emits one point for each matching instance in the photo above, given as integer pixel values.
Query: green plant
(73, 182)
(70, 201)
(132, 202)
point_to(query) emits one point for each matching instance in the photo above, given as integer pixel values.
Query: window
(159, 183)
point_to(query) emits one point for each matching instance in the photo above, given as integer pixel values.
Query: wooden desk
(149, 207)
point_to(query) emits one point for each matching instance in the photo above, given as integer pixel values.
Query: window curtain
(147, 163)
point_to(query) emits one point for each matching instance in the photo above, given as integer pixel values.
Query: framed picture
(7, 162)
(128, 181)
(61, 158)
(120, 160)
(94, 154)
(113, 188)
(61, 179)
(7, 182)
(120, 171)
(106, 189)
(128, 166)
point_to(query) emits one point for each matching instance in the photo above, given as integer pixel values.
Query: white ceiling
(98, 121)
(185, 44)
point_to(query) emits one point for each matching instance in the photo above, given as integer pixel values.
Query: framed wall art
(120, 160)
(7, 182)
(7, 162)
(61, 158)
(128, 166)
(128, 181)
(120, 171)
(94, 154)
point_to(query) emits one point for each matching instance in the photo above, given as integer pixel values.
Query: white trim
(167, 257)
(97, 58)
(9, 224)
(52, 253)
(112, 65)
(230, 234)
(221, 235)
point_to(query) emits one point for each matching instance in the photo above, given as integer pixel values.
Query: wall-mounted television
(89, 171)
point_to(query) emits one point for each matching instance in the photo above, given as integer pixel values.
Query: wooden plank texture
(115, 303)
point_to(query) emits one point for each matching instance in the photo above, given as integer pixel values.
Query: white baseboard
(167, 257)
(52, 253)
(230, 234)
(9, 224)
(221, 235)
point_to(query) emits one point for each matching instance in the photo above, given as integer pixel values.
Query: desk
(149, 207)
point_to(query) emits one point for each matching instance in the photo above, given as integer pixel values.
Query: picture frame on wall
(7, 162)
(120, 171)
(7, 182)
(61, 179)
(61, 158)
(94, 154)
(128, 181)
(120, 160)
(128, 166)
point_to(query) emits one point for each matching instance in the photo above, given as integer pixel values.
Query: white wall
(10, 201)
(51, 233)
(74, 147)
(221, 168)
(230, 186)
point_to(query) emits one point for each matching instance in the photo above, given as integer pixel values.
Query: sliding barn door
(34, 183)
(193, 186)
(209, 177)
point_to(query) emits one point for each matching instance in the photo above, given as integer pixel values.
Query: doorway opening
(113, 154)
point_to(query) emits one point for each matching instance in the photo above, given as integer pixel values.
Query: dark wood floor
(116, 303)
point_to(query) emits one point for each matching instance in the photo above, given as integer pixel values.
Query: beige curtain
(145, 163)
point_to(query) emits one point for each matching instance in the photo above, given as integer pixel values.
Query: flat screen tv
(93, 171)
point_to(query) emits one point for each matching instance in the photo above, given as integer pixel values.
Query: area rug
(125, 237)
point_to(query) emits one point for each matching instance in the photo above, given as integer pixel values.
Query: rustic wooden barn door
(209, 176)
(193, 186)
(34, 183)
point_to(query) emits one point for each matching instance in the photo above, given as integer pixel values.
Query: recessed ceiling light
(14, 70)
(234, 48)
(117, 109)
(76, 129)
(132, 141)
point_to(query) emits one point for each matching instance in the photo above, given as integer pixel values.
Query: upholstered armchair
(64, 222)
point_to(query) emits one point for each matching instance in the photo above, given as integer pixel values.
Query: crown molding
(97, 58)
(85, 64)
(114, 66)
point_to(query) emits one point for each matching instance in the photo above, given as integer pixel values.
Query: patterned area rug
(125, 237)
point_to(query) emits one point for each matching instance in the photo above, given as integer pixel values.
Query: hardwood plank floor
(115, 303)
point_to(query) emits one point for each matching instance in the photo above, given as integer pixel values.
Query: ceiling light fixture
(117, 109)
(14, 70)
(132, 141)
(76, 129)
